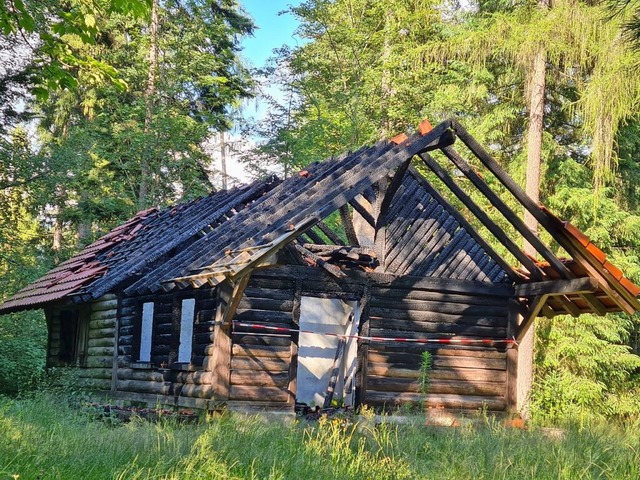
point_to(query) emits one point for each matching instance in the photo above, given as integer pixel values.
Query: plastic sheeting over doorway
(322, 359)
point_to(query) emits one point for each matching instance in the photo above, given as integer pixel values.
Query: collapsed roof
(411, 227)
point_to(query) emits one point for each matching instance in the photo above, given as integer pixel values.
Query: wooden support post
(229, 296)
(331, 235)
(293, 365)
(221, 361)
(347, 223)
(363, 349)
(537, 304)
(335, 371)
(511, 394)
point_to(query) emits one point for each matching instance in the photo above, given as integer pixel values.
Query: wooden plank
(399, 355)
(465, 402)
(330, 268)
(461, 374)
(506, 212)
(333, 377)
(439, 330)
(316, 238)
(436, 235)
(413, 231)
(277, 305)
(449, 254)
(436, 325)
(465, 224)
(261, 351)
(253, 340)
(466, 387)
(387, 305)
(475, 266)
(263, 316)
(444, 285)
(460, 258)
(557, 287)
(269, 394)
(480, 214)
(260, 364)
(407, 296)
(259, 379)
(347, 223)
(331, 235)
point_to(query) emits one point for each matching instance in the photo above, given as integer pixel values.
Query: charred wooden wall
(263, 366)
(161, 376)
(464, 377)
(94, 341)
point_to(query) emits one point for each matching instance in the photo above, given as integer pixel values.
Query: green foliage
(60, 29)
(23, 339)
(584, 368)
(42, 436)
(426, 364)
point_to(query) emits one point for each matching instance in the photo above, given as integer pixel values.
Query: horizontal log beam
(557, 287)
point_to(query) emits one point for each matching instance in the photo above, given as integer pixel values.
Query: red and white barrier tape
(449, 341)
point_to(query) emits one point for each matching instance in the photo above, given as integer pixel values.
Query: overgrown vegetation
(42, 437)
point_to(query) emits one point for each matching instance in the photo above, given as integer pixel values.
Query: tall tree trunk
(537, 87)
(223, 160)
(385, 81)
(149, 97)
(534, 138)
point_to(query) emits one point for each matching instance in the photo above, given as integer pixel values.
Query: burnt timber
(216, 302)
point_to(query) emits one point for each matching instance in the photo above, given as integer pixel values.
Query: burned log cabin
(328, 286)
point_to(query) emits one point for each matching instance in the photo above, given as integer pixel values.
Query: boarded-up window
(327, 353)
(186, 330)
(146, 332)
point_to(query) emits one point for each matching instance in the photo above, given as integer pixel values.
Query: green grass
(43, 437)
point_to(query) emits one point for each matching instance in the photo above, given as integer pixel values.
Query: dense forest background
(107, 107)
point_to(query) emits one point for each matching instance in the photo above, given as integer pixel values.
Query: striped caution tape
(449, 341)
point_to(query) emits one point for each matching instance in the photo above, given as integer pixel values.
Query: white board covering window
(146, 333)
(186, 330)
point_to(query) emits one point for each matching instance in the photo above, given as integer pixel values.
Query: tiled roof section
(616, 291)
(71, 275)
(309, 197)
(133, 246)
(424, 238)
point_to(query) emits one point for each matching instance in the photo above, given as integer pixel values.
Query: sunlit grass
(43, 437)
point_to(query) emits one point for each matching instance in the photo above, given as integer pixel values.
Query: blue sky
(273, 30)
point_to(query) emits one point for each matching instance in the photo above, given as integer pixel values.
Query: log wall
(262, 366)
(98, 332)
(161, 377)
(461, 377)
